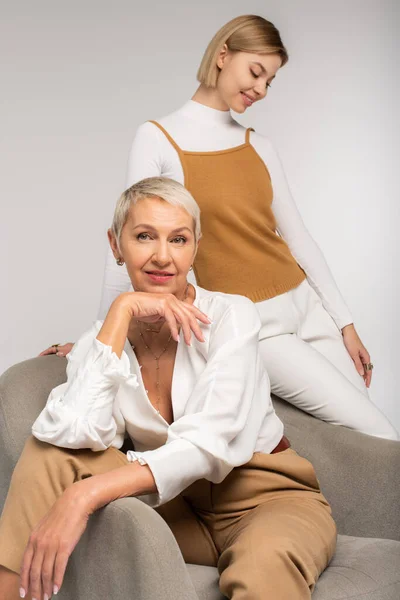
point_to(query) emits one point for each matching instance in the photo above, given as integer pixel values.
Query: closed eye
(257, 75)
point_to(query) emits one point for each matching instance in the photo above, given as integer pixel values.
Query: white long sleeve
(198, 128)
(220, 399)
(81, 413)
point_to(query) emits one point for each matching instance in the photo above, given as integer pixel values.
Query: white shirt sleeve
(223, 414)
(303, 247)
(151, 155)
(80, 413)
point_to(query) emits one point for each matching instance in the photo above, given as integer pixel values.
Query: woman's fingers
(358, 364)
(194, 315)
(172, 324)
(195, 327)
(25, 569)
(35, 574)
(366, 359)
(58, 349)
(189, 323)
(50, 350)
(368, 377)
(48, 573)
(64, 349)
(174, 311)
(198, 314)
(180, 316)
(60, 566)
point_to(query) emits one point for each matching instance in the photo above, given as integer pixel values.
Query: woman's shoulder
(218, 305)
(151, 126)
(265, 148)
(260, 139)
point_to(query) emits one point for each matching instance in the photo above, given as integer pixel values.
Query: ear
(113, 244)
(222, 56)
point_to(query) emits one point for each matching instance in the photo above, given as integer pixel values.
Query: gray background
(79, 77)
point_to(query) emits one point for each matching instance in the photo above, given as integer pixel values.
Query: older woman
(209, 449)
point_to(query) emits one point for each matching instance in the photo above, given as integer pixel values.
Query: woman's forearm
(116, 325)
(98, 491)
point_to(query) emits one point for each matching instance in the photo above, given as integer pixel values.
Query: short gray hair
(163, 188)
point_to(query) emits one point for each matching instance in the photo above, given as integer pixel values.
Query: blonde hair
(248, 33)
(162, 188)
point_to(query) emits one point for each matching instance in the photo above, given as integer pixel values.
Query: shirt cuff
(175, 466)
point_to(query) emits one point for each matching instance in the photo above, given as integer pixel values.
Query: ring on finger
(368, 366)
(55, 346)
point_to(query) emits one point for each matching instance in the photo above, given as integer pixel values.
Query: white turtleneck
(199, 128)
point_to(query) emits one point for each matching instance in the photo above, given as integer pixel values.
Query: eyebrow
(147, 226)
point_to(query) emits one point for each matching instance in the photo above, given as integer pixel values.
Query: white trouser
(309, 366)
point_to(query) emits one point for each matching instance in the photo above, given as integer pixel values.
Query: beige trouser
(267, 526)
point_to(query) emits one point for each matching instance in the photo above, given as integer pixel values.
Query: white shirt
(198, 128)
(220, 398)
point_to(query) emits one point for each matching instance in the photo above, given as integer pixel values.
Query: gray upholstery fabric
(359, 474)
(24, 389)
(362, 569)
(128, 553)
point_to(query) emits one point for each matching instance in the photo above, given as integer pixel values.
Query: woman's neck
(210, 97)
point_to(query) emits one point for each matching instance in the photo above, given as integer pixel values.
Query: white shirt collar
(200, 112)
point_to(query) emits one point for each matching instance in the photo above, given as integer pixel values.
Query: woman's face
(244, 78)
(158, 246)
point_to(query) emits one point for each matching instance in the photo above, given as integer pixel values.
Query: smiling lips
(160, 276)
(248, 100)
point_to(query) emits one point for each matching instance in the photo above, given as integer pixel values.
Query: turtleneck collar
(200, 112)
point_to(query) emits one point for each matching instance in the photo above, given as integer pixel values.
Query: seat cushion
(362, 569)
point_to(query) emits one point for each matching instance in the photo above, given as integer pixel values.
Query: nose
(261, 90)
(162, 256)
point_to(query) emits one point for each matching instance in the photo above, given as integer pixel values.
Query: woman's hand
(151, 308)
(358, 352)
(51, 544)
(58, 349)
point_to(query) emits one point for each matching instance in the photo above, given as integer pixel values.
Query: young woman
(199, 415)
(254, 240)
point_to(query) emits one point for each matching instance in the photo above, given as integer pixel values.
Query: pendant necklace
(155, 356)
(157, 359)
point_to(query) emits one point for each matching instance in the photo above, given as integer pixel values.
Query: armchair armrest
(127, 551)
(24, 389)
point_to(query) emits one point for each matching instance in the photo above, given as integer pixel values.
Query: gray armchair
(129, 553)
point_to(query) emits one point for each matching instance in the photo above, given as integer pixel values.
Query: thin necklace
(157, 359)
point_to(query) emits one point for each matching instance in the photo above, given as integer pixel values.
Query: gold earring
(119, 262)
